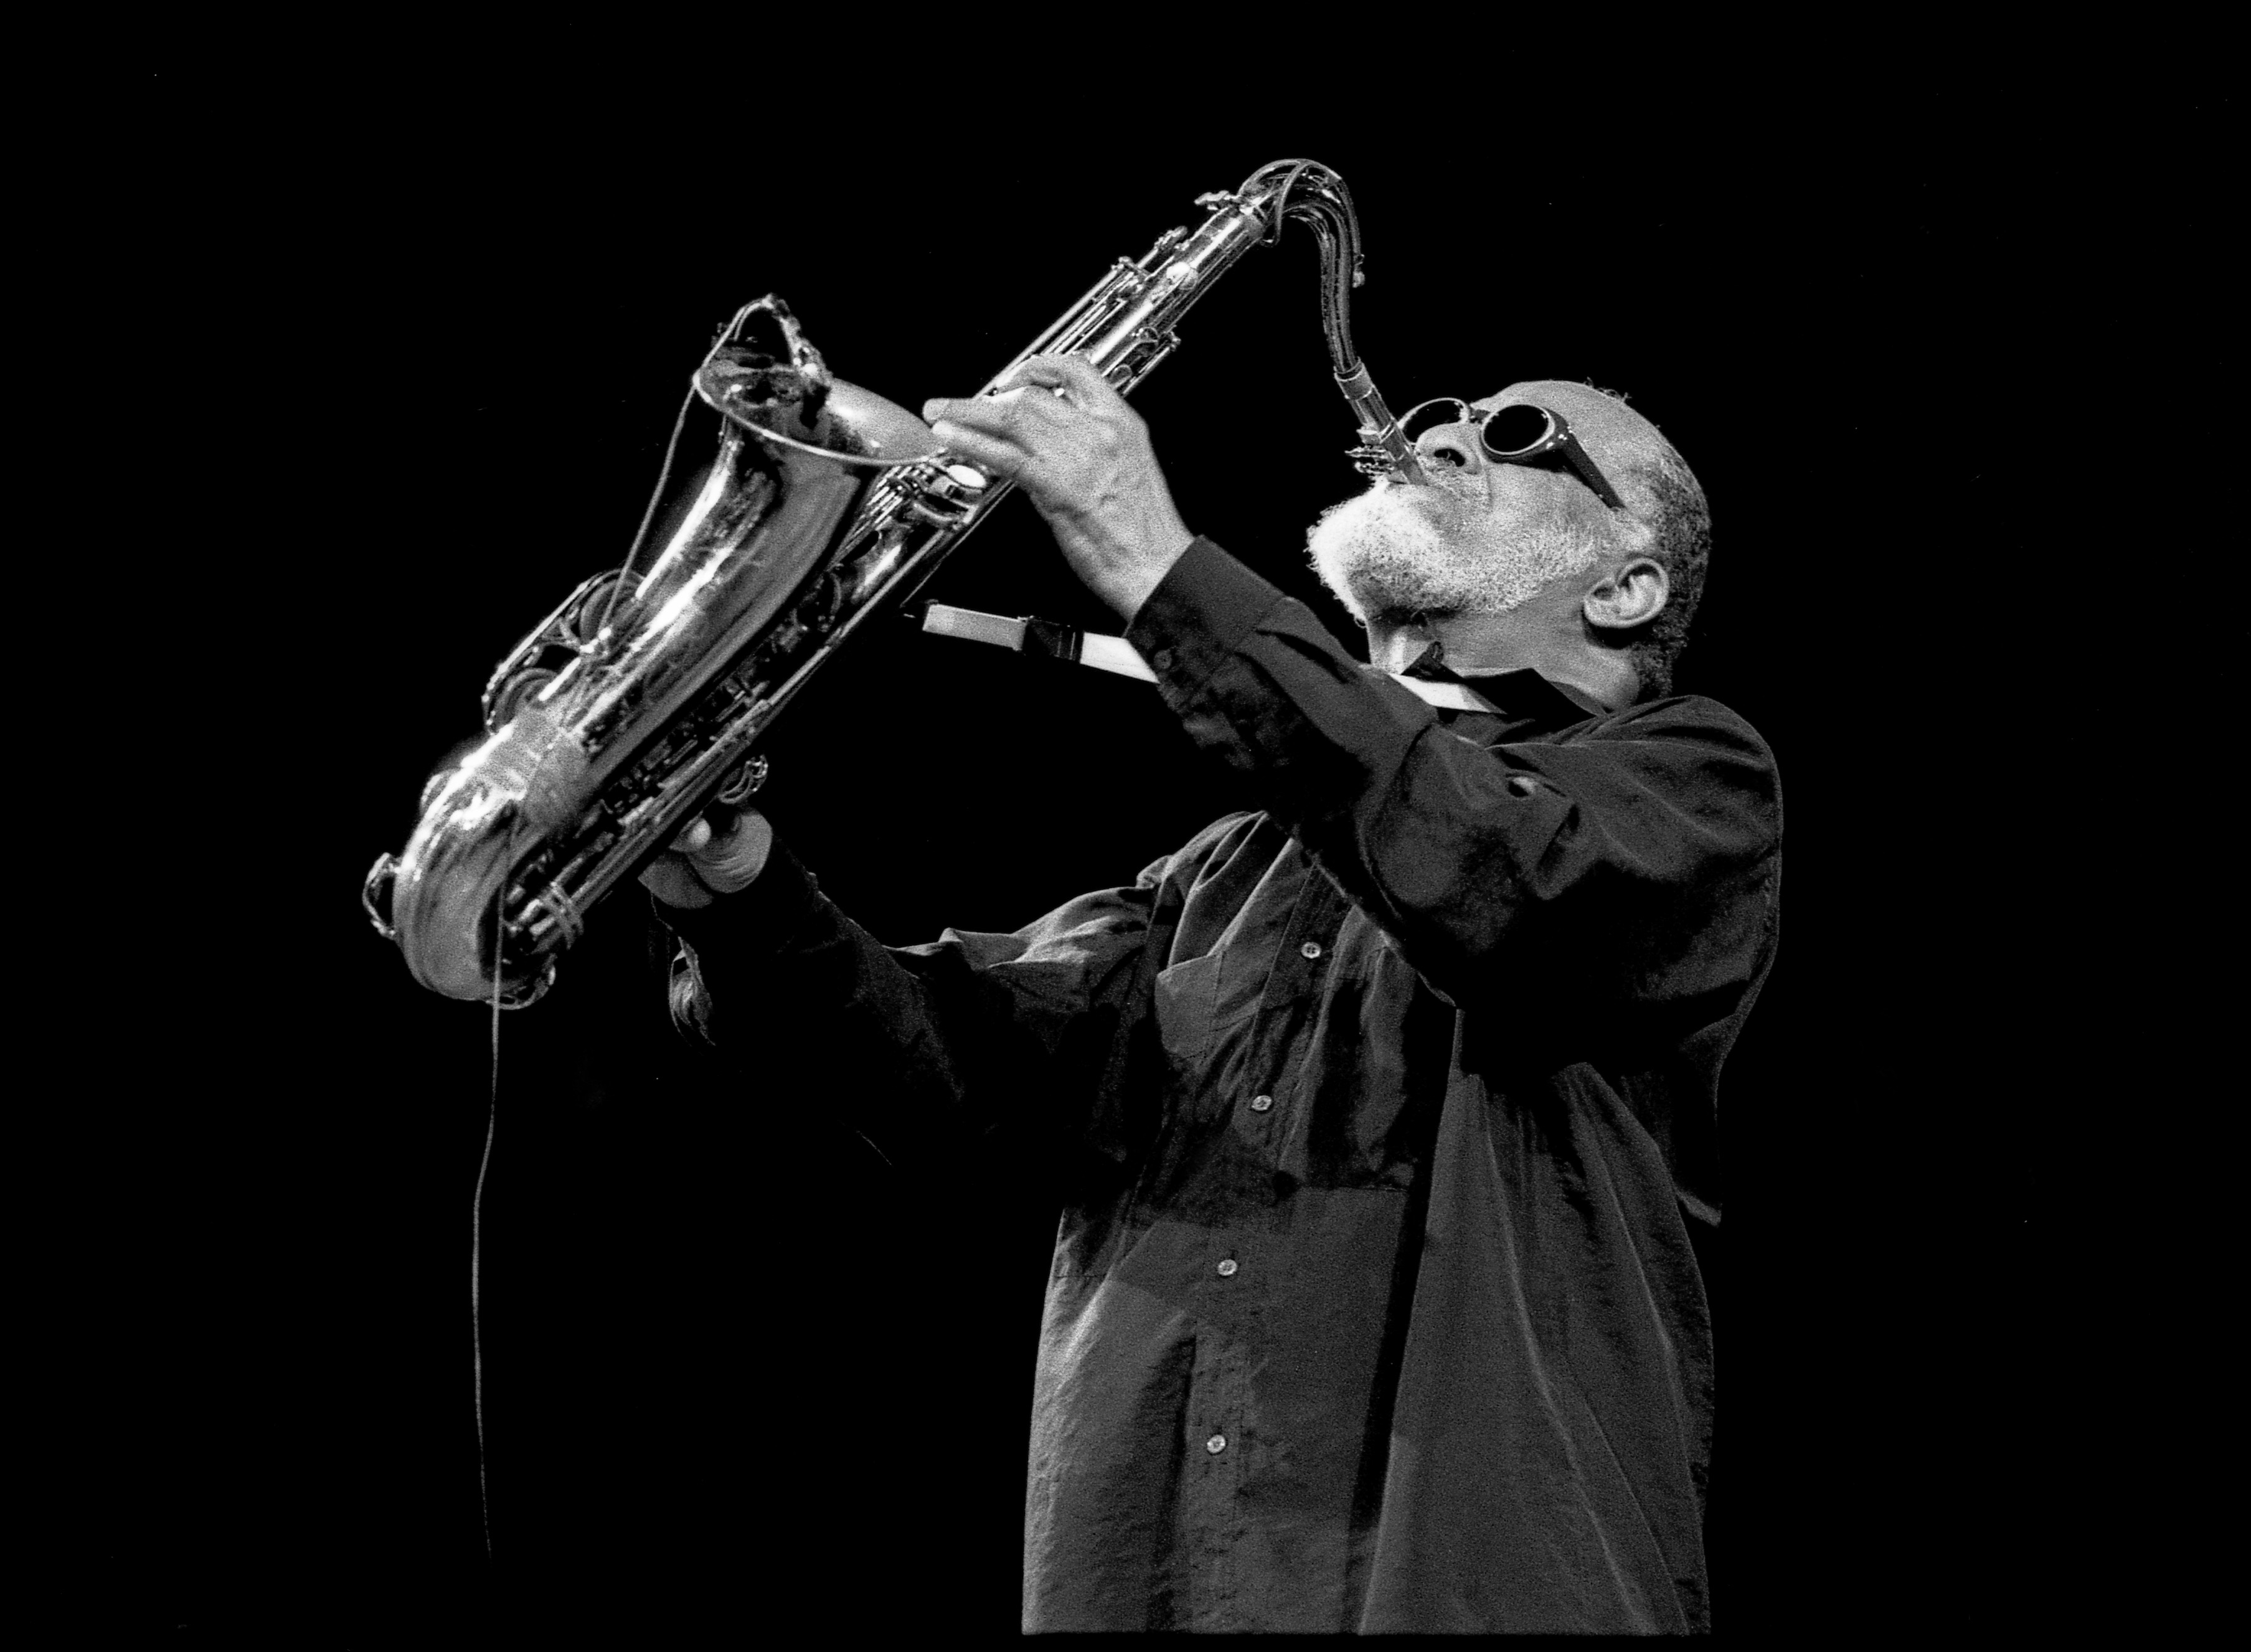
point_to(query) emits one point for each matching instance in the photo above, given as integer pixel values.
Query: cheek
(1528, 500)
(1518, 497)
(1586, 515)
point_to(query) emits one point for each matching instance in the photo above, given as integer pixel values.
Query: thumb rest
(637, 702)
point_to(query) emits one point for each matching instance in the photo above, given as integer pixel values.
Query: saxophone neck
(1124, 323)
(1316, 196)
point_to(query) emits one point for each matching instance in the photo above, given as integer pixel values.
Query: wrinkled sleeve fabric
(1612, 856)
(932, 1048)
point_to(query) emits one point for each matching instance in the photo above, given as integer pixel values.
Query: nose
(1450, 447)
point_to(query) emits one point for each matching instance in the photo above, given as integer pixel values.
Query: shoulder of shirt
(1561, 714)
(1680, 711)
(1217, 842)
(1689, 720)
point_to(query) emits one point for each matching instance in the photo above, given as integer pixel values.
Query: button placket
(1214, 1515)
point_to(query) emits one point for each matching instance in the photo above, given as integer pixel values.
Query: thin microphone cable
(476, 1233)
(663, 476)
(492, 1108)
(655, 496)
(491, 1111)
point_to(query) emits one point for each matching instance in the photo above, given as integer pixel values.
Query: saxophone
(637, 703)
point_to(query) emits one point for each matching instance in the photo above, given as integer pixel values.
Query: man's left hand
(1057, 428)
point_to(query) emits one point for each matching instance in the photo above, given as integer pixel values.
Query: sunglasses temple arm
(1589, 472)
(1602, 490)
(1600, 484)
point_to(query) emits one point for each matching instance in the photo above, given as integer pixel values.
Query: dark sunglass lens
(1514, 430)
(1420, 421)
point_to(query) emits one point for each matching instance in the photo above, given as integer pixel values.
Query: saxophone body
(639, 701)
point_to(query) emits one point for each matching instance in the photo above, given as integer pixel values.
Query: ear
(1633, 593)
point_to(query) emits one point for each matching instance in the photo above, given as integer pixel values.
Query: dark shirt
(1380, 1121)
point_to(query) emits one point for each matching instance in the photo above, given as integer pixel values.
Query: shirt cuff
(1198, 616)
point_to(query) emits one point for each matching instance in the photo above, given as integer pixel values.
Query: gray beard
(1398, 551)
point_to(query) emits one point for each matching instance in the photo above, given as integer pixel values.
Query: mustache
(1455, 496)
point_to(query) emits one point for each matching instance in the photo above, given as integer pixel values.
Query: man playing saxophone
(1383, 1120)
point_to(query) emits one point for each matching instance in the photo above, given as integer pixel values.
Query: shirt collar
(1521, 696)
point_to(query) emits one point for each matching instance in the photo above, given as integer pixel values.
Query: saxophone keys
(509, 699)
(531, 992)
(375, 895)
(948, 493)
(739, 786)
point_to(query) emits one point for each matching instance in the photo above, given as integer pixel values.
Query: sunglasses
(1517, 435)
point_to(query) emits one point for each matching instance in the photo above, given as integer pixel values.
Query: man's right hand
(701, 864)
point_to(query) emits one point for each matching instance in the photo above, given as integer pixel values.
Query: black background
(735, 1369)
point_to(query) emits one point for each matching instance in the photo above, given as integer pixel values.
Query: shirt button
(1217, 1444)
(1260, 1103)
(1311, 949)
(1162, 659)
(1227, 1269)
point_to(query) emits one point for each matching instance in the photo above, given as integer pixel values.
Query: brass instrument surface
(802, 531)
